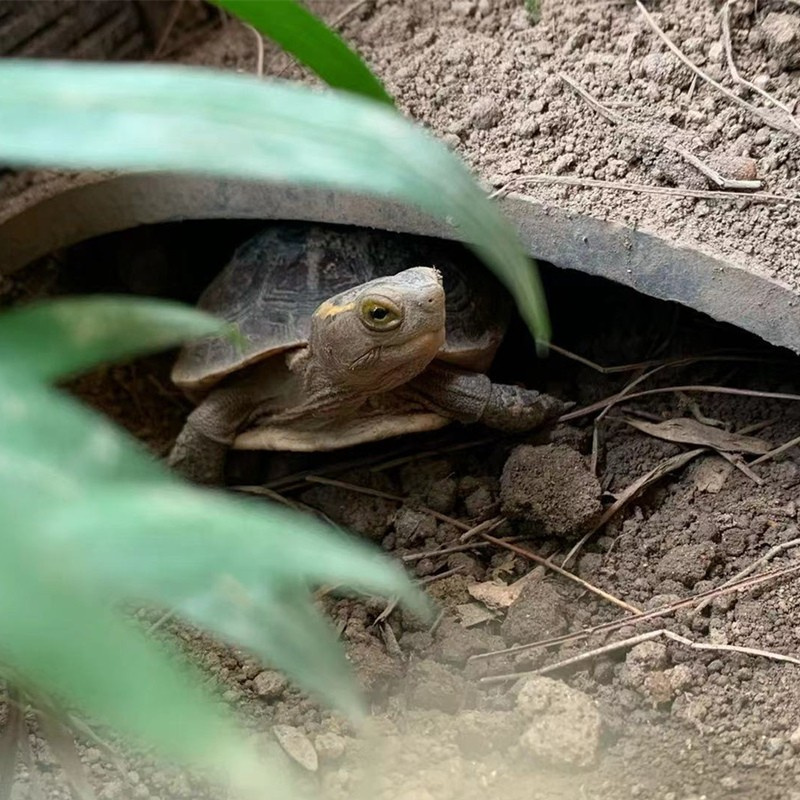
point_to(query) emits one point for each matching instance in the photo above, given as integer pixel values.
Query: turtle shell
(276, 280)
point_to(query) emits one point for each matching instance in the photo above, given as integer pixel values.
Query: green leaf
(57, 338)
(192, 120)
(98, 515)
(70, 646)
(56, 449)
(311, 42)
(200, 535)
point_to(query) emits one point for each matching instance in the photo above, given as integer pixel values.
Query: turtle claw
(514, 409)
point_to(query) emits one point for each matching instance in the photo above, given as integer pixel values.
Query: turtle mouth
(423, 348)
(426, 345)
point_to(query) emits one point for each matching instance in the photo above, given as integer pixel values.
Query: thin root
(626, 644)
(706, 77)
(642, 188)
(736, 76)
(545, 562)
(608, 627)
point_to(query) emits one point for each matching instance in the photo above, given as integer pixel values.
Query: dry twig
(726, 40)
(642, 188)
(631, 492)
(776, 452)
(349, 11)
(751, 568)
(732, 184)
(709, 172)
(485, 536)
(440, 576)
(174, 13)
(767, 118)
(428, 579)
(545, 562)
(626, 644)
(394, 498)
(679, 361)
(601, 404)
(162, 620)
(456, 548)
(730, 648)
(737, 462)
(259, 51)
(487, 526)
(376, 463)
(604, 111)
(608, 627)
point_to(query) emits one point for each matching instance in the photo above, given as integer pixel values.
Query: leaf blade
(67, 645)
(173, 118)
(115, 524)
(59, 338)
(311, 42)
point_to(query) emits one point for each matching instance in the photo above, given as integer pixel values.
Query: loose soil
(493, 85)
(659, 719)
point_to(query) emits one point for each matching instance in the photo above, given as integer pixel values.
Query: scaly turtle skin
(346, 341)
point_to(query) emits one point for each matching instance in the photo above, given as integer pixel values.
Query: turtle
(345, 339)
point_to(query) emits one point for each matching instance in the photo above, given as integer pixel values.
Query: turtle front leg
(201, 449)
(472, 397)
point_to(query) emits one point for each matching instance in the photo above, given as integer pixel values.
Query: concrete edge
(640, 260)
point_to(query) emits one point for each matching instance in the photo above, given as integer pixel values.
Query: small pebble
(269, 684)
(485, 113)
(330, 746)
(774, 746)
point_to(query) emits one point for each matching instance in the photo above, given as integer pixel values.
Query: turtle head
(380, 334)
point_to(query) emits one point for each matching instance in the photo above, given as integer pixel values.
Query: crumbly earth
(654, 719)
(492, 83)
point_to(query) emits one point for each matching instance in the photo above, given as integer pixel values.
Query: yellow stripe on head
(330, 309)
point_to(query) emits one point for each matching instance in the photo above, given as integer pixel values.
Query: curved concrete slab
(635, 258)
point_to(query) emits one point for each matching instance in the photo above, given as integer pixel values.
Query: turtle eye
(380, 314)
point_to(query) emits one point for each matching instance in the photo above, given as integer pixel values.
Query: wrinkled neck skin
(339, 377)
(313, 389)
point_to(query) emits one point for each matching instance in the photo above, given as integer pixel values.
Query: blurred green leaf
(113, 522)
(57, 338)
(311, 42)
(191, 536)
(71, 645)
(92, 521)
(184, 119)
(55, 448)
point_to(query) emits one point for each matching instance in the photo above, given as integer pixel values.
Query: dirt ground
(660, 718)
(656, 719)
(496, 88)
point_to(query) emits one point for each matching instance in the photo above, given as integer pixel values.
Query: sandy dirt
(495, 87)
